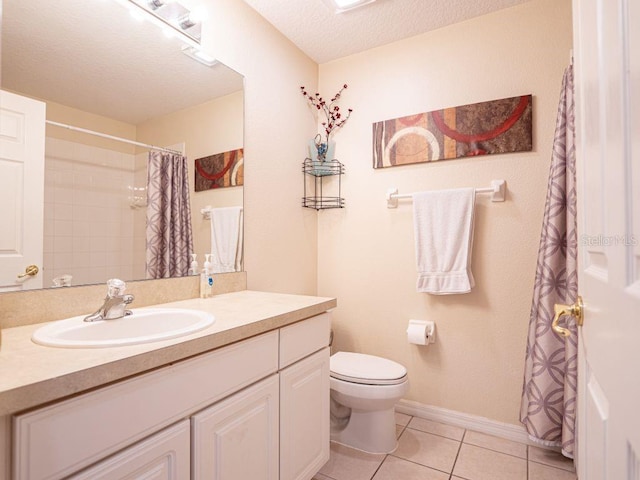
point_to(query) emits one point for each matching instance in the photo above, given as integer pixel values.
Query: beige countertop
(32, 375)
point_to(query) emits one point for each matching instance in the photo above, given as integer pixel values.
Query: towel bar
(206, 212)
(497, 190)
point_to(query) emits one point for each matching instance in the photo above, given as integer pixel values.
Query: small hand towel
(443, 230)
(226, 238)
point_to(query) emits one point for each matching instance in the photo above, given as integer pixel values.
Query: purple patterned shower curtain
(169, 234)
(548, 409)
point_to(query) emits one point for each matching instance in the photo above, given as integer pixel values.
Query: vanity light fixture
(174, 20)
(199, 56)
(170, 14)
(340, 6)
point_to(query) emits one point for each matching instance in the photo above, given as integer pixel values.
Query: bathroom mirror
(99, 68)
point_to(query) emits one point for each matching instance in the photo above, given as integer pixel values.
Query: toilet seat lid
(366, 369)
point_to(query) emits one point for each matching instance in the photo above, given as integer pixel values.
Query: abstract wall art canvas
(497, 126)
(220, 170)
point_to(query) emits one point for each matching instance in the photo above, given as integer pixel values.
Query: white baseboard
(516, 433)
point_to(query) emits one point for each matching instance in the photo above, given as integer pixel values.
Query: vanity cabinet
(256, 409)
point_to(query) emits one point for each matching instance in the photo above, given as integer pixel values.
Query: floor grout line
(551, 466)
(453, 467)
(420, 464)
(431, 433)
(403, 429)
(497, 451)
(379, 466)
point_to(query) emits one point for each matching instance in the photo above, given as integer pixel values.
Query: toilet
(364, 391)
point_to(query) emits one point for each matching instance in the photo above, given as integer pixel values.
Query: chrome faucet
(114, 303)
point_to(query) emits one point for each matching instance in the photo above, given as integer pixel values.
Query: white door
(607, 74)
(22, 125)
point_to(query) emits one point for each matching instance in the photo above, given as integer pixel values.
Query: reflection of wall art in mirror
(219, 170)
(498, 126)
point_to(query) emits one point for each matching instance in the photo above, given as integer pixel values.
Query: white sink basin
(143, 326)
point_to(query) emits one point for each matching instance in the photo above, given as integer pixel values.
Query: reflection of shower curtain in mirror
(169, 234)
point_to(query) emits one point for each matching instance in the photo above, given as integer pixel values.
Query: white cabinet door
(304, 417)
(163, 456)
(237, 438)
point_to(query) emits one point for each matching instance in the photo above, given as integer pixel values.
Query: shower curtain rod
(111, 137)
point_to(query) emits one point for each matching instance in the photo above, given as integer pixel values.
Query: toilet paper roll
(418, 332)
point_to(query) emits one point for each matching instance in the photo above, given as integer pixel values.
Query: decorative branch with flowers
(334, 117)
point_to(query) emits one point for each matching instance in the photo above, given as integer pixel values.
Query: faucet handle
(115, 287)
(126, 300)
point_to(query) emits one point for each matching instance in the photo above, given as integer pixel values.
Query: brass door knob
(576, 310)
(30, 271)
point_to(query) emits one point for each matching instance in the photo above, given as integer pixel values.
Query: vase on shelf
(322, 154)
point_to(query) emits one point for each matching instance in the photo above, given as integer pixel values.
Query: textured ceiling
(90, 55)
(94, 56)
(325, 36)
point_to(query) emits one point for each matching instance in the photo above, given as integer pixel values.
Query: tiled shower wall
(89, 223)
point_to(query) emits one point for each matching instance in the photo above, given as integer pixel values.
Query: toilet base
(369, 431)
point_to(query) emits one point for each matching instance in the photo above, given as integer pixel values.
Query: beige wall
(72, 116)
(211, 127)
(280, 236)
(366, 251)
(206, 129)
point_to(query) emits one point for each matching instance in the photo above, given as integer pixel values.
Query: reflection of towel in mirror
(226, 239)
(443, 229)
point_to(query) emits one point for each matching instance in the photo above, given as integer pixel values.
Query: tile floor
(434, 451)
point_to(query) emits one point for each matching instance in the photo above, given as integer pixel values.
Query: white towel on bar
(226, 239)
(443, 230)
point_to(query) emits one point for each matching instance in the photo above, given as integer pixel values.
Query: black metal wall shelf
(317, 171)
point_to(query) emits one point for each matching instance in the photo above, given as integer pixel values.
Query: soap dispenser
(206, 278)
(193, 269)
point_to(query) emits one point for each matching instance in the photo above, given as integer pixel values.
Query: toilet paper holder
(421, 332)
